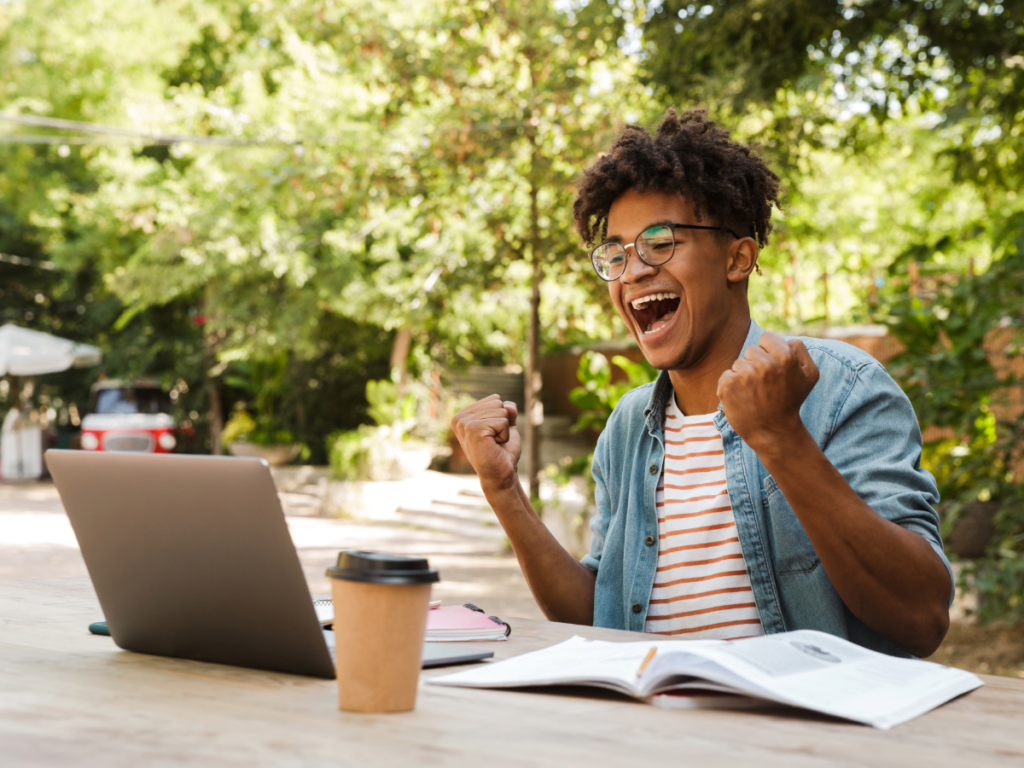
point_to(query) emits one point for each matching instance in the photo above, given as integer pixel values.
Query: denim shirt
(861, 420)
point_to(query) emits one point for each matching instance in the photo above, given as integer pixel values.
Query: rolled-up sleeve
(876, 444)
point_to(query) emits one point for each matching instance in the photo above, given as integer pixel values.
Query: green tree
(523, 96)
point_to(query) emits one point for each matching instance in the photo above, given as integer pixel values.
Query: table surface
(71, 698)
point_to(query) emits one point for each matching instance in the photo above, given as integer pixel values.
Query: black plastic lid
(380, 568)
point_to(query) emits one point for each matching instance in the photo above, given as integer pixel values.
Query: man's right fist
(488, 434)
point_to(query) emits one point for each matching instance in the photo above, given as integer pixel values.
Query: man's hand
(488, 434)
(762, 393)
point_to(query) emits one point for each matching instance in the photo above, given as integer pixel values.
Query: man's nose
(636, 268)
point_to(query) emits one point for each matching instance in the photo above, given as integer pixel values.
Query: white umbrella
(31, 353)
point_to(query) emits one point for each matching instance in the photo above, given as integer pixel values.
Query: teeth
(637, 303)
(648, 327)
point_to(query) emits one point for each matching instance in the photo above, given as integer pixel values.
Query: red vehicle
(129, 416)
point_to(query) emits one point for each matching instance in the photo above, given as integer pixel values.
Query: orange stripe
(741, 637)
(695, 595)
(726, 508)
(705, 545)
(670, 416)
(692, 440)
(738, 556)
(688, 426)
(673, 502)
(710, 626)
(690, 487)
(680, 532)
(691, 455)
(713, 609)
(699, 578)
(690, 514)
(694, 470)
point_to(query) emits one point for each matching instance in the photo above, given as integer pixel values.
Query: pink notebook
(454, 623)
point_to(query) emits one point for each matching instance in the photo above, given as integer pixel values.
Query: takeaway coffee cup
(380, 619)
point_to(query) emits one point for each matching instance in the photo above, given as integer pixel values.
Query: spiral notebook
(450, 624)
(455, 623)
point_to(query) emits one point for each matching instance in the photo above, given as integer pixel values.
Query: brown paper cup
(379, 630)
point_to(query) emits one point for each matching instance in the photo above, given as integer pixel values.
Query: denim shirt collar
(654, 413)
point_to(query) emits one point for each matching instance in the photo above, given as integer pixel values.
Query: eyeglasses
(655, 246)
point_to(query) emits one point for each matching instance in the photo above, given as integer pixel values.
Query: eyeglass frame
(668, 224)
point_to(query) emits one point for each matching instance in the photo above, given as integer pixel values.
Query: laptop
(191, 557)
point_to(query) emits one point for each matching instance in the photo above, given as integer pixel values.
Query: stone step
(432, 521)
(467, 505)
(442, 512)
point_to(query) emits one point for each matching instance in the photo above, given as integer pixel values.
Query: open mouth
(655, 311)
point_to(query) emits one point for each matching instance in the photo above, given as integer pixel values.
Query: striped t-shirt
(701, 587)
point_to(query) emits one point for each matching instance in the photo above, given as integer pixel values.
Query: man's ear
(743, 255)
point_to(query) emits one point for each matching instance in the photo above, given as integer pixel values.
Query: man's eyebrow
(662, 223)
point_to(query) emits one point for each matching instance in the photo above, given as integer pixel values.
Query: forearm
(562, 586)
(888, 576)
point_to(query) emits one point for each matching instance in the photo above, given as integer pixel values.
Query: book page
(576, 661)
(830, 675)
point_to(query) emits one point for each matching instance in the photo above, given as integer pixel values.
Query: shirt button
(654, 469)
(637, 608)
(649, 541)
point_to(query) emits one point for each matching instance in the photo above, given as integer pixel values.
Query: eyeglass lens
(655, 246)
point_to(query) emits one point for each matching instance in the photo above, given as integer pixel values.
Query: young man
(760, 484)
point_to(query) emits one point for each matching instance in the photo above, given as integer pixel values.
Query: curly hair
(726, 181)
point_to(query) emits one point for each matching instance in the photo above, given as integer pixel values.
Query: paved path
(36, 541)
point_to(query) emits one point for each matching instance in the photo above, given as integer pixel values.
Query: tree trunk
(533, 407)
(400, 356)
(215, 410)
(215, 414)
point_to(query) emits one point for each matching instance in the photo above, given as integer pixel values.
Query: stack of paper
(456, 623)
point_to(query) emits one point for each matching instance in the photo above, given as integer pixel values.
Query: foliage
(358, 454)
(387, 405)
(998, 582)
(410, 417)
(375, 453)
(949, 373)
(349, 453)
(572, 499)
(599, 394)
(394, 167)
(239, 427)
(960, 59)
(242, 428)
(263, 379)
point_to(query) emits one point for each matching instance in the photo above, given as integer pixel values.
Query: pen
(647, 660)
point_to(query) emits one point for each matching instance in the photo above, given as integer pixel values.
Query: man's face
(693, 300)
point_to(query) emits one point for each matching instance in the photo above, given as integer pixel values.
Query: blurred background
(313, 230)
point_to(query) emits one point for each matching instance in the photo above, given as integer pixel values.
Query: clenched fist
(762, 393)
(488, 434)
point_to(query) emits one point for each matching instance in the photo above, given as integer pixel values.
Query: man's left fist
(762, 393)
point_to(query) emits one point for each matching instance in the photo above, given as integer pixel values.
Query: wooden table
(71, 698)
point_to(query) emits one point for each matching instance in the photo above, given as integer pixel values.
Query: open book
(807, 669)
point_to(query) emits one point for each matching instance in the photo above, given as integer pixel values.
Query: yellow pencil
(647, 660)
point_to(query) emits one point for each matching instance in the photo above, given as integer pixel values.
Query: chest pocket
(791, 548)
